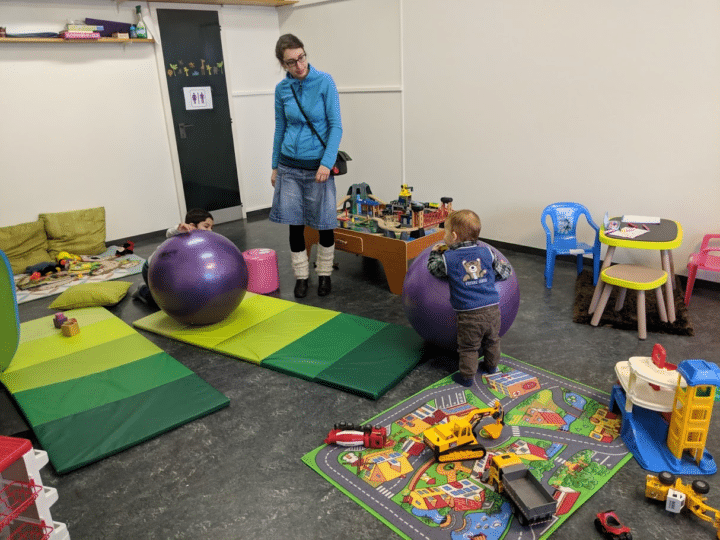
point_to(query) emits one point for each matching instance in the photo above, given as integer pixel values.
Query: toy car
(608, 524)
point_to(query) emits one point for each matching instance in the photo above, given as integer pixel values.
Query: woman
(302, 162)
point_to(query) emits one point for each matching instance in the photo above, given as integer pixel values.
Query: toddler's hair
(465, 224)
(197, 215)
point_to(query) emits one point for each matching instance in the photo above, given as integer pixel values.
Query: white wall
(249, 36)
(358, 43)
(505, 105)
(518, 104)
(82, 124)
(510, 105)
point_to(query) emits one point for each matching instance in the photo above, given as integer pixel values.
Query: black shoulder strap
(306, 118)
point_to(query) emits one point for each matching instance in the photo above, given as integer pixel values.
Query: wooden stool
(632, 276)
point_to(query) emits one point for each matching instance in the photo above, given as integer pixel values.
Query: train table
(392, 253)
(393, 233)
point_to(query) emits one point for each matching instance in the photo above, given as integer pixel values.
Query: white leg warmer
(325, 258)
(300, 265)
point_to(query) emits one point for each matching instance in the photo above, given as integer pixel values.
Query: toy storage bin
(24, 501)
(262, 268)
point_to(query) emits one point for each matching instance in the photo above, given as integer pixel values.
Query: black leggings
(297, 238)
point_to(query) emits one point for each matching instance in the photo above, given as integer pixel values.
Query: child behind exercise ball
(471, 271)
(195, 219)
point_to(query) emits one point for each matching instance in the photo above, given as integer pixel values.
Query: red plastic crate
(15, 498)
(31, 531)
(12, 449)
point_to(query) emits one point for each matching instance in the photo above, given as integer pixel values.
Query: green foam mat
(313, 353)
(104, 390)
(355, 354)
(560, 429)
(9, 325)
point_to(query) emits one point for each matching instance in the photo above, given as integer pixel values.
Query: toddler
(471, 271)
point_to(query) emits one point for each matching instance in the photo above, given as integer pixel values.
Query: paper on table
(628, 218)
(627, 232)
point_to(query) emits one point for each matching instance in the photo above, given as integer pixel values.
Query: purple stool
(262, 268)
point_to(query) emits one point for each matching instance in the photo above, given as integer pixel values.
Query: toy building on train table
(402, 218)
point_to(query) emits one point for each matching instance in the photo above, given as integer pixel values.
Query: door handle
(183, 133)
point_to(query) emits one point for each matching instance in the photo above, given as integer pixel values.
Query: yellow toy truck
(533, 502)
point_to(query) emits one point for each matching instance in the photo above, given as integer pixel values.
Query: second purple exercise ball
(198, 277)
(426, 300)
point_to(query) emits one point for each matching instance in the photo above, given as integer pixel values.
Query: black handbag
(340, 166)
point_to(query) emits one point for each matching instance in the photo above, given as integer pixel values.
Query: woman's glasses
(300, 60)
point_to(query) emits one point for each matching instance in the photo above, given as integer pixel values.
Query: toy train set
(360, 210)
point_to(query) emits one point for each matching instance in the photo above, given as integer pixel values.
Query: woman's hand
(273, 177)
(322, 174)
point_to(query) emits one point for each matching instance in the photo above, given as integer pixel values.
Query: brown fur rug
(626, 318)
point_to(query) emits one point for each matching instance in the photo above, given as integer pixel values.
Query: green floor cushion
(25, 245)
(79, 232)
(106, 293)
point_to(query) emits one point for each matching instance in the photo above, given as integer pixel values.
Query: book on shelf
(80, 35)
(84, 28)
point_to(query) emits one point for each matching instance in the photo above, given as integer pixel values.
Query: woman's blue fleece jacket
(293, 137)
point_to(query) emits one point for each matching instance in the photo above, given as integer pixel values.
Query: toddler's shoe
(462, 381)
(487, 368)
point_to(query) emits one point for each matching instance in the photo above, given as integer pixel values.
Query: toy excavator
(456, 440)
(677, 496)
(493, 430)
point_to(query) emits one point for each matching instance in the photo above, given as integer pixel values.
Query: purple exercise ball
(426, 300)
(198, 277)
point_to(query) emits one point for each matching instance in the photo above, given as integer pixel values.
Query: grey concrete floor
(237, 474)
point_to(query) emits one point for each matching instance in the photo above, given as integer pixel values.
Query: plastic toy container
(24, 501)
(262, 268)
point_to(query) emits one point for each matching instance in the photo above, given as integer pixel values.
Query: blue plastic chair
(9, 318)
(562, 240)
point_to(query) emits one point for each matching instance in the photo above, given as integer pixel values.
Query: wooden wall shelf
(61, 40)
(274, 3)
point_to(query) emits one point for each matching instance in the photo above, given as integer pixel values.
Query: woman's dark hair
(284, 42)
(197, 215)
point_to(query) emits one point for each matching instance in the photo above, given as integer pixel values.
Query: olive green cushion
(79, 232)
(25, 244)
(105, 293)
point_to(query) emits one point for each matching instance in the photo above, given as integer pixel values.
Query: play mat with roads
(560, 429)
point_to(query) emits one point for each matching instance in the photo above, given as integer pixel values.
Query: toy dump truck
(532, 501)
